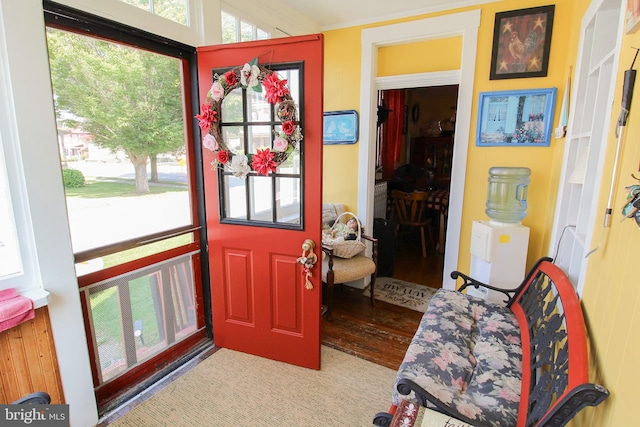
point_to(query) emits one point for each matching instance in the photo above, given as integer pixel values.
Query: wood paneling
(29, 361)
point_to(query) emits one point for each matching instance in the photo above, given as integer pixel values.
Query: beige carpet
(236, 389)
(405, 294)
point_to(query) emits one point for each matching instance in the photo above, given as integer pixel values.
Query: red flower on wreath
(263, 163)
(275, 88)
(288, 127)
(230, 78)
(207, 117)
(223, 156)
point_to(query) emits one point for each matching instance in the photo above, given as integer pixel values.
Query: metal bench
(485, 364)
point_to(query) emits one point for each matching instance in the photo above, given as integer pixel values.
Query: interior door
(262, 208)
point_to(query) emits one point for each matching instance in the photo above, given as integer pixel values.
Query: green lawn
(121, 188)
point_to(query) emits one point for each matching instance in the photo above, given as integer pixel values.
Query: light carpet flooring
(230, 388)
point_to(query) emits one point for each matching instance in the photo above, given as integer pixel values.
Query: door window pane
(235, 199)
(261, 196)
(288, 206)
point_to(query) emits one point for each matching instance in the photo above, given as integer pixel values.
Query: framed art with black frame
(515, 118)
(521, 43)
(340, 127)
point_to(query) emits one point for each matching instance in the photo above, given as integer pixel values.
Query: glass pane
(262, 34)
(288, 200)
(234, 138)
(236, 200)
(258, 109)
(121, 140)
(259, 138)
(232, 107)
(261, 198)
(175, 10)
(246, 31)
(229, 28)
(291, 165)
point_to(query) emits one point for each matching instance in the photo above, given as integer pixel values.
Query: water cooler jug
(499, 245)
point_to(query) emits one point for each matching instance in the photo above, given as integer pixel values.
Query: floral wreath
(285, 141)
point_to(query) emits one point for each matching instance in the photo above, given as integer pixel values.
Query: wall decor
(340, 127)
(521, 42)
(515, 118)
(632, 17)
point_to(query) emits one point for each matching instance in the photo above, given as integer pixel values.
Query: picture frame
(632, 16)
(521, 43)
(340, 127)
(516, 118)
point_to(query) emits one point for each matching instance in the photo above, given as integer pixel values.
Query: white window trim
(28, 281)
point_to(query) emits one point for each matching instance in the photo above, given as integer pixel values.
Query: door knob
(308, 260)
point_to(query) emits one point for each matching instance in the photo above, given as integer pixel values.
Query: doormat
(405, 294)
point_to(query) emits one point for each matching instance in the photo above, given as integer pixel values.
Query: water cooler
(499, 245)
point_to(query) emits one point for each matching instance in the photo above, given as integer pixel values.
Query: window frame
(244, 18)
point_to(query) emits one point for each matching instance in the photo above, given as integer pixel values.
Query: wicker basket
(335, 238)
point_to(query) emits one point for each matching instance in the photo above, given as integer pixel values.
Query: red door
(263, 191)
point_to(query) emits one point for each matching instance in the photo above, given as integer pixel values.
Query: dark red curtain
(391, 131)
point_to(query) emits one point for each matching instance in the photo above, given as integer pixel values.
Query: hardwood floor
(381, 334)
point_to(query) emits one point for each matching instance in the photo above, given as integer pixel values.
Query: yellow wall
(611, 297)
(392, 60)
(341, 92)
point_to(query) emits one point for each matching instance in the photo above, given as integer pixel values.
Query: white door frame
(463, 24)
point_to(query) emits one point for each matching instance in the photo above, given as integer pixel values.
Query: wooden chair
(410, 210)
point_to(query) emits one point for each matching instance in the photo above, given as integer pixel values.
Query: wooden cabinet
(435, 154)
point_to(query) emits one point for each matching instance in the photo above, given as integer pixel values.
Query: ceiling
(331, 14)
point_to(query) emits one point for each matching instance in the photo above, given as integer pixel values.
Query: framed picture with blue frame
(516, 118)
(340, 127)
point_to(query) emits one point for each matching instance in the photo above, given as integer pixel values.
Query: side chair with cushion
(338, 271)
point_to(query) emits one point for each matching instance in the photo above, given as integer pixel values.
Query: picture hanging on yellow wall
(521, 43)
(633, 16)
(516, 118)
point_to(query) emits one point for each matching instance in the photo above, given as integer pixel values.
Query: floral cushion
(467, 356)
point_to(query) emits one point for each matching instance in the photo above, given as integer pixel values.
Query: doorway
(463, 24)
(417, 156)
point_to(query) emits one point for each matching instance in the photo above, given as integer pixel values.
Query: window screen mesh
(137, 315)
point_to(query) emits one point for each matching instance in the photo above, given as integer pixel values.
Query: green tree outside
(128, 99)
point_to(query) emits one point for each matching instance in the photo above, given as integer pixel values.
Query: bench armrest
(470, 281)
